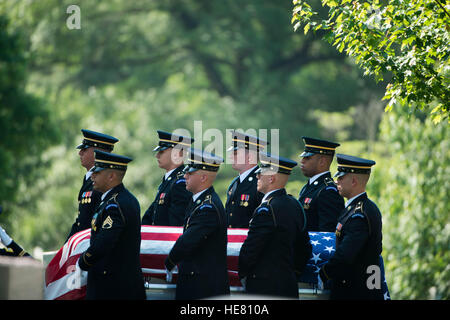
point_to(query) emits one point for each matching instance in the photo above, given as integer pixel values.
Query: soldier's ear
(203, 177)
(355, 181)
(113, 174)
(325, 161)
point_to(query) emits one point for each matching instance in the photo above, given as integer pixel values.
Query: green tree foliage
(409, 40)
(413, 197)
(25, 121)
(245, 52)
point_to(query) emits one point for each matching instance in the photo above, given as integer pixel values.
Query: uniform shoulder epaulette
(330, 184)
(359, 213)
(269, 200)
(359, 207)
(206, 203)
(205, 206)
(114, 197)
(180, 178)
(115, 204)
(208, 199)
(112, 201)
(262, 209)
(266, 207)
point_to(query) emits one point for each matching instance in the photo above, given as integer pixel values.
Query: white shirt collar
(104, 195)
(314, 178)
(349, 201)
(88, 174)
(245, 174)
(268, 193)
(198, 194)
(168, 173)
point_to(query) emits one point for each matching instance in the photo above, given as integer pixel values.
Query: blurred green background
(135, 67)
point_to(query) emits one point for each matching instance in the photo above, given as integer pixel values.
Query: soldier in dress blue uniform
(113, 257)
(319, 197)
(201, 251)
(88, 198)
(358, 235)
(242, 196)
(172, 198)
(277, 247)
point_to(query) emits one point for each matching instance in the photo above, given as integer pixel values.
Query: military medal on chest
(161, 198)
(244, 200)
(86, 197)
(338, 230)
(306, 203)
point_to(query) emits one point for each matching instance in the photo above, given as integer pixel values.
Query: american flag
(323, 248)
(156, 243)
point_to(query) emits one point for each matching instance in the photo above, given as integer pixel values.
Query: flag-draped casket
(156, 243)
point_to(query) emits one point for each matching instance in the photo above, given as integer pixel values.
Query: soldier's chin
(305, 173)
(259, 188)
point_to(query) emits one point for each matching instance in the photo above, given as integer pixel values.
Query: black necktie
(235, 185)
(189, 208)
(303, 190)
(162, 182)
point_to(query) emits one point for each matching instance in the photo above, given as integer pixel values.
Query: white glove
(169, 274)
(319, 283)
(75, 281)
(6, 239)
(244, 283)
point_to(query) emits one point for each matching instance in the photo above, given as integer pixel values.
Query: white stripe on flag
(60, 287)
(81, 247)
(155, 229)
(156, 246)
(233, 248)
(156, 271)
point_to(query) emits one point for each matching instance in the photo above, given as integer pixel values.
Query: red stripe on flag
(67, 267)
(160, 236)
(76, 294)
(153, 261)
(148, 261)
(174, 236)
(52, 268)
(236, 238)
